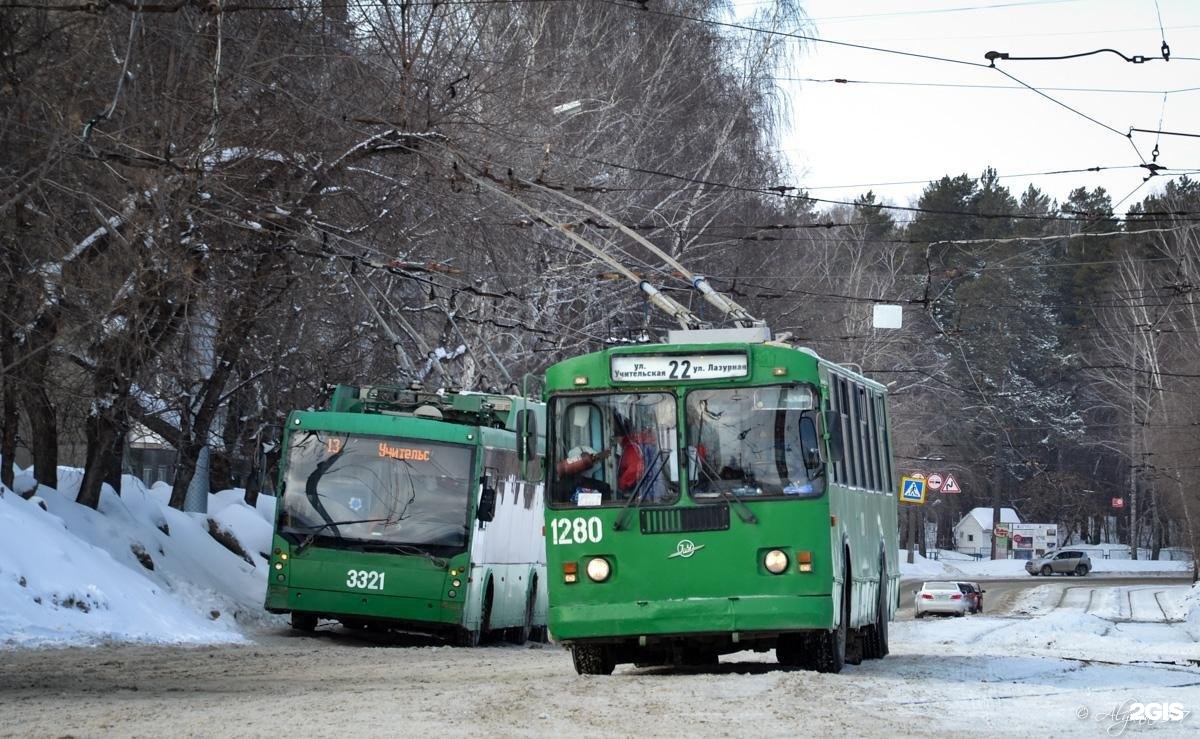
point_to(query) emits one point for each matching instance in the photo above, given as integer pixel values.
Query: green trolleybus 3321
(716, 493)
(406, 509)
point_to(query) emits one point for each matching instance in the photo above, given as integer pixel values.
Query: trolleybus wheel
(592, 659)
(304, 621)
(831, 645)
(794, 650)
(877, 638)
(520, 634)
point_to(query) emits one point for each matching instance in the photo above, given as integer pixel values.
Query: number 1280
(576, 530)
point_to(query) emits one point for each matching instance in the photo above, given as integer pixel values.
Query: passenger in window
(640, 463)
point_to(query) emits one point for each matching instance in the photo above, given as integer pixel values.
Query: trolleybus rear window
(754, 442)
(377, 491)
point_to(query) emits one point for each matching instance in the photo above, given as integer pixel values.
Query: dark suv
(1066, 562)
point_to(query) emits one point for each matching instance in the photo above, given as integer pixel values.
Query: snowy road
(1051, 656)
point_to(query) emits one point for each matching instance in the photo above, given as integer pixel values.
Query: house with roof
(973, 534)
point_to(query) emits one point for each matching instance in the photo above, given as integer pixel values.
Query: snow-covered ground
(955, 565)
(1063, 656)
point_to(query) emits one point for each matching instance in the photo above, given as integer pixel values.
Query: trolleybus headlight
(775, 561)
(598, 569)
(279, 565)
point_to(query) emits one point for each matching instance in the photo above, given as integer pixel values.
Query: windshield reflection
(750, 442)
(377, 491)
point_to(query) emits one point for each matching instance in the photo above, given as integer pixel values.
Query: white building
(973, 534)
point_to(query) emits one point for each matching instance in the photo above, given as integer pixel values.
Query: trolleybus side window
(866, 433)
(884, 442)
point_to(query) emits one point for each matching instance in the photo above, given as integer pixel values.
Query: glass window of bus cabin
(834, 400)
(847, 418)
(375, 491)
(881, 413)
(609, 448)
(750, 442)
(866, 433)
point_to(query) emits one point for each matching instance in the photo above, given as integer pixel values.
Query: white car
(937, 596)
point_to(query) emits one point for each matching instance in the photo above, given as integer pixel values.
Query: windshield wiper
(318, 528)
(407, 549)
(640, 489)
(743, 510)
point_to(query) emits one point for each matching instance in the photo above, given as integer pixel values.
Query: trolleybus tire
(831, 645)
(592, 659)
(520, 634)
(877, 634)
(304, 621)
(795, 650)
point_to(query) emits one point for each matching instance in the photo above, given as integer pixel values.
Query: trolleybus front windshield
(753, 442)
(614, 449)
(377, 492)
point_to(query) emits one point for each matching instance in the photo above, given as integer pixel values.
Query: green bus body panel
(375, 424)
(723, 587)
(316, 581)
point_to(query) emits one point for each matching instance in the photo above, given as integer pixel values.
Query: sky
(912, 120)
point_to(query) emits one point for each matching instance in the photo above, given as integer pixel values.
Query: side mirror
(833, 427)
(809, 443)
(487, 503)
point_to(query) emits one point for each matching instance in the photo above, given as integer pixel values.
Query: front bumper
(758, 615)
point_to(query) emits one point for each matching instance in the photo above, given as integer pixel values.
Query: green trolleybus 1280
(716, 493)
(400, 508)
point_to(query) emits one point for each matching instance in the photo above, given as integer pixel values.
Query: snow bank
(133, 570)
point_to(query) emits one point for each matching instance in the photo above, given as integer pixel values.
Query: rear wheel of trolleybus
(304, 621)
(592, 659)
(875, 643)
(521, 634)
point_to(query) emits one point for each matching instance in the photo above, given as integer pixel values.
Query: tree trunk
(103, 435)
(185, 470)
(8, 433)
(43, 435)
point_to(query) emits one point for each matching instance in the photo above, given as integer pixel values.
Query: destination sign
(646, 368)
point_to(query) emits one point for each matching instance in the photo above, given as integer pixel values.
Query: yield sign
(950, 485)
(934, 482)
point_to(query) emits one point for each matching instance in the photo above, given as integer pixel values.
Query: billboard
(1033, 537)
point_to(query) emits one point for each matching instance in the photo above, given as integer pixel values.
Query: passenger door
(1065, 562)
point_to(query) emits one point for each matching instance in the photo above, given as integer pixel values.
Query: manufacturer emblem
(356, 504)
(685, 548)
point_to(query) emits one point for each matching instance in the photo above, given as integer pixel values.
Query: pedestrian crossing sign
(912, 490)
